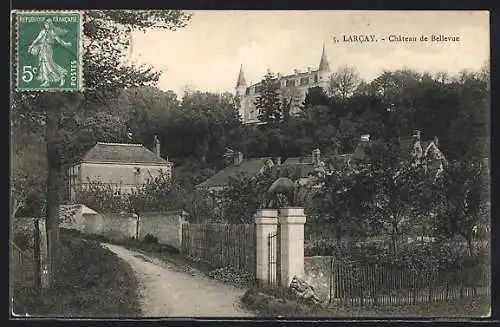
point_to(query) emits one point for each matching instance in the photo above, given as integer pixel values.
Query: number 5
(27, 75)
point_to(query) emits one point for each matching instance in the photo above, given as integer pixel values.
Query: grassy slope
(92, 282)
(278, 302)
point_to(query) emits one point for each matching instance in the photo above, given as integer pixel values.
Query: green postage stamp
(48, 50)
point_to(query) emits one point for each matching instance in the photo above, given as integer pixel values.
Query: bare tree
(344, 82)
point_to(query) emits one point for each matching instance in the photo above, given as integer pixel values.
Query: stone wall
(118, 226)
(317, 274)
(166, 226)
(93, 224)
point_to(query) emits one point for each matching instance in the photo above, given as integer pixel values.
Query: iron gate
(273, 242)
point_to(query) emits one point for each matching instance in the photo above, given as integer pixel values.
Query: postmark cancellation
(48, 54)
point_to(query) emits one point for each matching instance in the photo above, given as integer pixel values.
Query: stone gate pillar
(291, 222)
(266, 223)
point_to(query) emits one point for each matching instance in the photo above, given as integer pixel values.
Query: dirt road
(169, 290)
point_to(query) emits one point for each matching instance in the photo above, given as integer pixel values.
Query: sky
(207, 54)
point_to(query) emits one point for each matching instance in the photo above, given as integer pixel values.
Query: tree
(204, 122)
(29, 172)
(146, 109)
(160, 194)
(340, 203)
(106, 36)
(344, 82)
(389, 180)
(243, 196)
(268, 101)
(465, 202)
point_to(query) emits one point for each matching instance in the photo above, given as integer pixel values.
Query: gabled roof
(360, 153)
(298, 160)
(122, 153)
(294, 171)
(250, 167)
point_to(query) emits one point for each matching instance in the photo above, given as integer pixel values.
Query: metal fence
(273, 243)
(221, 245)
(357, 283)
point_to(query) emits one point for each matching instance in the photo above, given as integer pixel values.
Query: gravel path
(169, 290)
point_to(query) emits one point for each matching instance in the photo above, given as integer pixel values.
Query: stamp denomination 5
(48, 56)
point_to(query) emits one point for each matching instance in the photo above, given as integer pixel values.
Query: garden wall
(165, 226)
(119, 227)
(317, 274)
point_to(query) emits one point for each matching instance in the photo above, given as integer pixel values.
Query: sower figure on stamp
(48, 70)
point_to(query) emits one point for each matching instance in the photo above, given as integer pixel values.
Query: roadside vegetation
(91, 282)
(279, 302)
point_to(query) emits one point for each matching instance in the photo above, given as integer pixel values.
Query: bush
(150, 239)
(440, 255)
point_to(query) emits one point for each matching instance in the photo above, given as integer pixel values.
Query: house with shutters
(122, 166)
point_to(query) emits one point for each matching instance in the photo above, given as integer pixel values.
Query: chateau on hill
(292, 87)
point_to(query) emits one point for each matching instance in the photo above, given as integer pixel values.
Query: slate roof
(122, 153)
(298, 160)
(323, 64)
(241, 78)
(250, 167)
(294, 171)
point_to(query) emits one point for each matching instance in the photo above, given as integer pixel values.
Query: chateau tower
(324, 70)
(241, 87)
(292, 86)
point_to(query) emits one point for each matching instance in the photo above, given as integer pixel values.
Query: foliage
(105, 34)
(150, 239)
(158, 194)
(29, 170)
(243, 196)
(102, 197)
(344, 82)
(89, 284)
(465, 200)
(340, 203)
(268, 102)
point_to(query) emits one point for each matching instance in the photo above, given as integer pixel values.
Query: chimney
(309, 69)
(278, 75)
(316, 156)
(238, 158)
(416, 134)
(365, 138)
(296, 71)
(436, 141)
(157, 145)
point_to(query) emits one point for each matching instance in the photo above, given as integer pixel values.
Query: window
(290, 83)
(137, 175)
(315, 78)
(304, 81)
